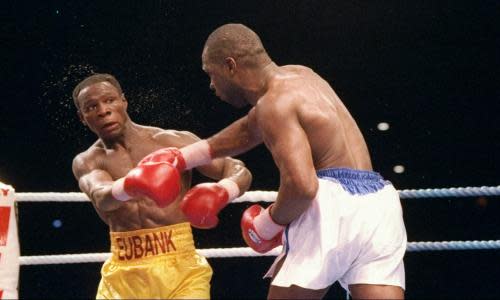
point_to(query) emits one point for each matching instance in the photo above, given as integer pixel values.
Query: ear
(125, 101)
(80, 116)
(230, 64)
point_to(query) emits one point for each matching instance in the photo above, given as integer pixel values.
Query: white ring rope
(267, 196)
(270, 196)
(248, 252)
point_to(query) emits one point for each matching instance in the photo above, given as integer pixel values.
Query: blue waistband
(356, 182)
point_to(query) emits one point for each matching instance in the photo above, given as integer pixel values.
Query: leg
(376, 291)
(294, 291)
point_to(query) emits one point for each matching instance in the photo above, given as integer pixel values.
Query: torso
(332, 133)
(138, 213)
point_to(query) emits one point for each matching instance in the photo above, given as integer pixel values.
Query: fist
(202, 203)
(259, 231)
(158, 181)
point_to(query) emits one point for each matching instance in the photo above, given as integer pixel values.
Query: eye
(110, 100)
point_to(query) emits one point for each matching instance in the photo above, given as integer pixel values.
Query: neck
(124, 140)
(258, 82)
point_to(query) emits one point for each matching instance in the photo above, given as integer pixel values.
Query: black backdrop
(428, 68)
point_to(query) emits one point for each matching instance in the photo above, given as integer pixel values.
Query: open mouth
(110, 125)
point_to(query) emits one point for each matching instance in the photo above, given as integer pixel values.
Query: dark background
(428, 68)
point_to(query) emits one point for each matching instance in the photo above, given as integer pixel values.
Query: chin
(237, 102)
(110, 135)
(240, 104)
(234, 104)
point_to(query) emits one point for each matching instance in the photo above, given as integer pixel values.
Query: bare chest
(118, 162)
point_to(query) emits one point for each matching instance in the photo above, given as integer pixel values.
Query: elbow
(239, 173)
(305, 189)
(311, 191)
(244, 180)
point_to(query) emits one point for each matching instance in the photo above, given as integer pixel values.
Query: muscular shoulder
(168, 137)
(87, 161)
(175, 138)
(282, 100)
(297, 69)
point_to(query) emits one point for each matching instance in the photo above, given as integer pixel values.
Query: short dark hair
(95, 78)
(238, 41)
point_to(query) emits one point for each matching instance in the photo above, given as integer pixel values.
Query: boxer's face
(103, 109)
(223, 82)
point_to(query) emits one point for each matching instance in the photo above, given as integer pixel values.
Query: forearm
(97, 184)
(293, 199)
(102, 197)
(233, 140)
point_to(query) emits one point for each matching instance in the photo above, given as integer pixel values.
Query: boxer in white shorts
(300, 119)
(353, 232)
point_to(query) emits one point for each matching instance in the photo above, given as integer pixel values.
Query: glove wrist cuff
(233, 190)
(265, 226)
(118, 190)
(197, 154)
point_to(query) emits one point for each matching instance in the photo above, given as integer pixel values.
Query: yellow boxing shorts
(155, 263)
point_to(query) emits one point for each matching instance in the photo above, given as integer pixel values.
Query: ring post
(9, 244)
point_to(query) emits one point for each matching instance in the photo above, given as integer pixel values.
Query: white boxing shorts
(353, 232)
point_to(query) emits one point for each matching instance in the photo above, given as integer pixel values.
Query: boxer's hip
(140, 246)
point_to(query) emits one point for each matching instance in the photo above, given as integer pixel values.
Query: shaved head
(237, 41)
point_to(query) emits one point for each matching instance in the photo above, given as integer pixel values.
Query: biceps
(235, 139)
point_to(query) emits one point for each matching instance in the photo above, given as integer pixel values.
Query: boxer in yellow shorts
(146, 203)
(160, 261)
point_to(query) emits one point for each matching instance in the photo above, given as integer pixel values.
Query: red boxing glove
(160, 182)
(259, 231)
(170, 155)
(202, 203)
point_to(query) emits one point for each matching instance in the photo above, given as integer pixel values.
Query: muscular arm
(220, 168)
(96, 184)
(237, 138)
(289, 146)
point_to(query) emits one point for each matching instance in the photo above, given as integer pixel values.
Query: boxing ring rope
(248, 252)
(268, 196)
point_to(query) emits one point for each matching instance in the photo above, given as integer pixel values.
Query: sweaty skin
(300, 119)
(121, 145)
(305, 126)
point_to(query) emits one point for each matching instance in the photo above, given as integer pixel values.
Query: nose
(212, 87)
(103, 110)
